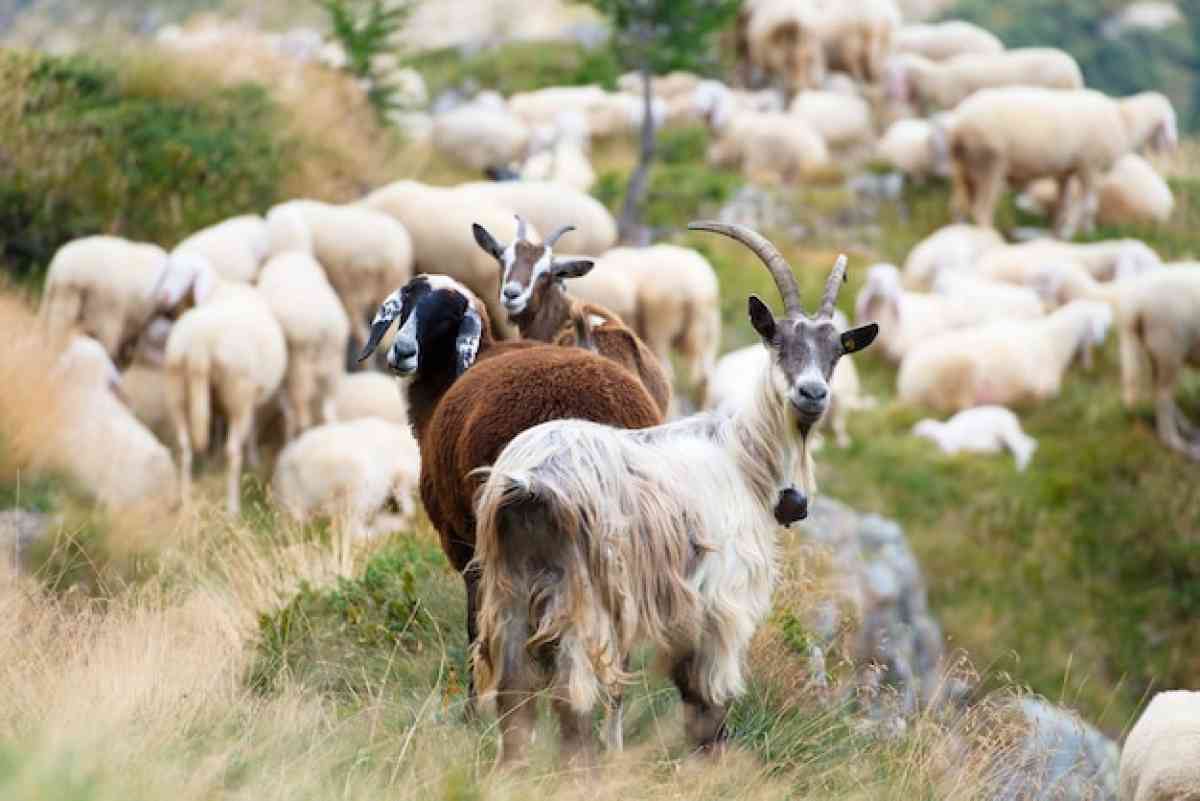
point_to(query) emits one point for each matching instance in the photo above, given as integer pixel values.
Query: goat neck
(545, 316)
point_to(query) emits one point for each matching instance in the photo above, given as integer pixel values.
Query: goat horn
(554, 237)
(780, 271)
(837, 277)
(520, 228)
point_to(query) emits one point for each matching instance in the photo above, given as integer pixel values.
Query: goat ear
(466, 345)
(575, 268)
(388, 311)
(858, 338)
(487, 241)
(761, 318)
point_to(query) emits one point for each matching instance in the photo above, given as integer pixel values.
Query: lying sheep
(781, 39)
(1019, 135)
(951, 248)
(1133, 192)
(943, 85)
(550, 206)
(917, 148)
(369, 394)
(857, 36)
(1161, 757)
(770, 147)
(480, 136)
(1007, 363)
(348, 471)
(236, 248)
(940, 41)
(983, 429)
(841, 120)
(102, 287)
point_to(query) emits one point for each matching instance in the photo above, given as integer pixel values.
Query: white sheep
(348, 471)
(315, 327)
(940, 41)
(857, 36)
(782, 39)
(549, 206)
(565, 159)
(917, 148)
(1103, 261)
(609, 285)
(103, 287)
(1161, 757)
(480, 136)
(983, 429)
(1008, 363)
(227, 348)
(370, 394)
(770, 147)
(236, 248)
(841, 120)
(144, 382)
(1133, 192)
(607, 113)
(945, 84)
(715, 104)
(954, 248)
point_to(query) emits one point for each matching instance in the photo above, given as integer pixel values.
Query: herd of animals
(537, 417)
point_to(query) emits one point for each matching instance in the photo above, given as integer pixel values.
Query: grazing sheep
(769, 147)
(480, 136)
(370, 394)
(1103, 261)
(781, 39)
(1133, 192)
(100, 444)
(228, 349)
(943, 85)
(592, 540)
(236, 248)
(363, 252)
(532, 292)
(841, 120)
(940, 41)
(1019, 135)
(917, 148)
(1161, 757)
(102, 287)
(551, 206)
(469, 396)
(1007, 363)
(952, 248)
(857, 36)
(439, 220)
(983, 429)
(347, 471)
(315, 327)
(1158, 325)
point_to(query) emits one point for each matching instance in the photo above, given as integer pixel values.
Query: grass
(518, 67)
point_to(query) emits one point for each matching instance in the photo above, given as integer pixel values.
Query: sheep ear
(466, 345)
(487, 241)
(858, 338)
(575, 268)
(761, 318)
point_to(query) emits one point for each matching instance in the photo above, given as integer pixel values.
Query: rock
(19, 530)
(763, 210)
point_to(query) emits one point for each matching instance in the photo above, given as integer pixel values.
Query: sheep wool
(1161, 757)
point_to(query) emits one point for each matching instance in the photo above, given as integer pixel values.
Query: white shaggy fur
(940, 41)
(1133, 192)
(236, 248)
(1161, 757)
(983, 429)
(370, 394)
(944, 84)
(916, 148)
(857, 36)
(954, 248)
(481, 136)
(841, 120)
(769, 147)
(549, 205)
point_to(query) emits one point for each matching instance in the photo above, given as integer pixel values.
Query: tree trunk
(631, 229)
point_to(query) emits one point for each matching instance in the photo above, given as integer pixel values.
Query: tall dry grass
(30, 400)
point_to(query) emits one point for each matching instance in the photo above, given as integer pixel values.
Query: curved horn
(837, 277)
(520, 228)
(554, 237)
(780, 271)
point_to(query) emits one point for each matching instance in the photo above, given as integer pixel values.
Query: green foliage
(85, 152)
(666, 35)
(366, 30)
(518, 67)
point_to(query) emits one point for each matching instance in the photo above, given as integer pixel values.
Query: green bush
(86, 152)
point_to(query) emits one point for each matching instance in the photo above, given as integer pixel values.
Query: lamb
(102, 287)
(1161, 757)
(857, 36)
(236, 248)
(1133, 192)
(781, 38)
(770, 147)
(941, 41)
(1007, 363)
(592, 540)
(1023, 134)
(369, 394)
(480, 136)
(910, 319)
(983, 429)
(551, 206)
(538, 305)
(347, 471)
(229, 348)
(952, 248)
(1158, 324)
(101, 445)
(944, 85)
(462, 418)
(841, 120)
(363, 252)
(315, 327)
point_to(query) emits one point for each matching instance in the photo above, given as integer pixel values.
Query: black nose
(512, 292)
(813, 392)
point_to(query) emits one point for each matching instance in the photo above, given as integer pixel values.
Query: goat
(592, 540)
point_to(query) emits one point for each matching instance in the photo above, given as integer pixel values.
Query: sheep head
(804, 348)
(528, 270)
(441, 324)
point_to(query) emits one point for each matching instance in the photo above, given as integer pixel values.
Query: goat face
(439, 323)
(526, 269)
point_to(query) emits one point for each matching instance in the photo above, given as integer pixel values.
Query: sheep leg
(578, 747)
(253, 457)
(960, 191)
(987, 195)
(703, 721)
(185, 460)
(1167, 419)
(241, 414)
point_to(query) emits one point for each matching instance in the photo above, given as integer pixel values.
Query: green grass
(518, 67)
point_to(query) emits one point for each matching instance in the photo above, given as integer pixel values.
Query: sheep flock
(600, 469)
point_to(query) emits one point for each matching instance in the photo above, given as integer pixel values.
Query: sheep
(608, 286)
(769, 147)
(1158, 325)
(1133, 192)
(364, 253)
(841, 120)
(144, 382)
(1105, 260)
(592, 540)
(347, 471)
(945, 84)
(315, 327)
(1023, 134)
(917, 148)
(781, 38)
(607, 113)
(462, 418)
(1008, 300)
(101, 445)
(983, 429)
(945, 40)
(857, 36)
(480, 136)
(439, 220)
(565, 161)
(1008, 362)
(103, 287)
(236, 248)
(953, 248)
(550, 206)
(1161, 757)
(229, 348)
(715, 104)
(369, 394)
(912, 318)
(533, 294)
